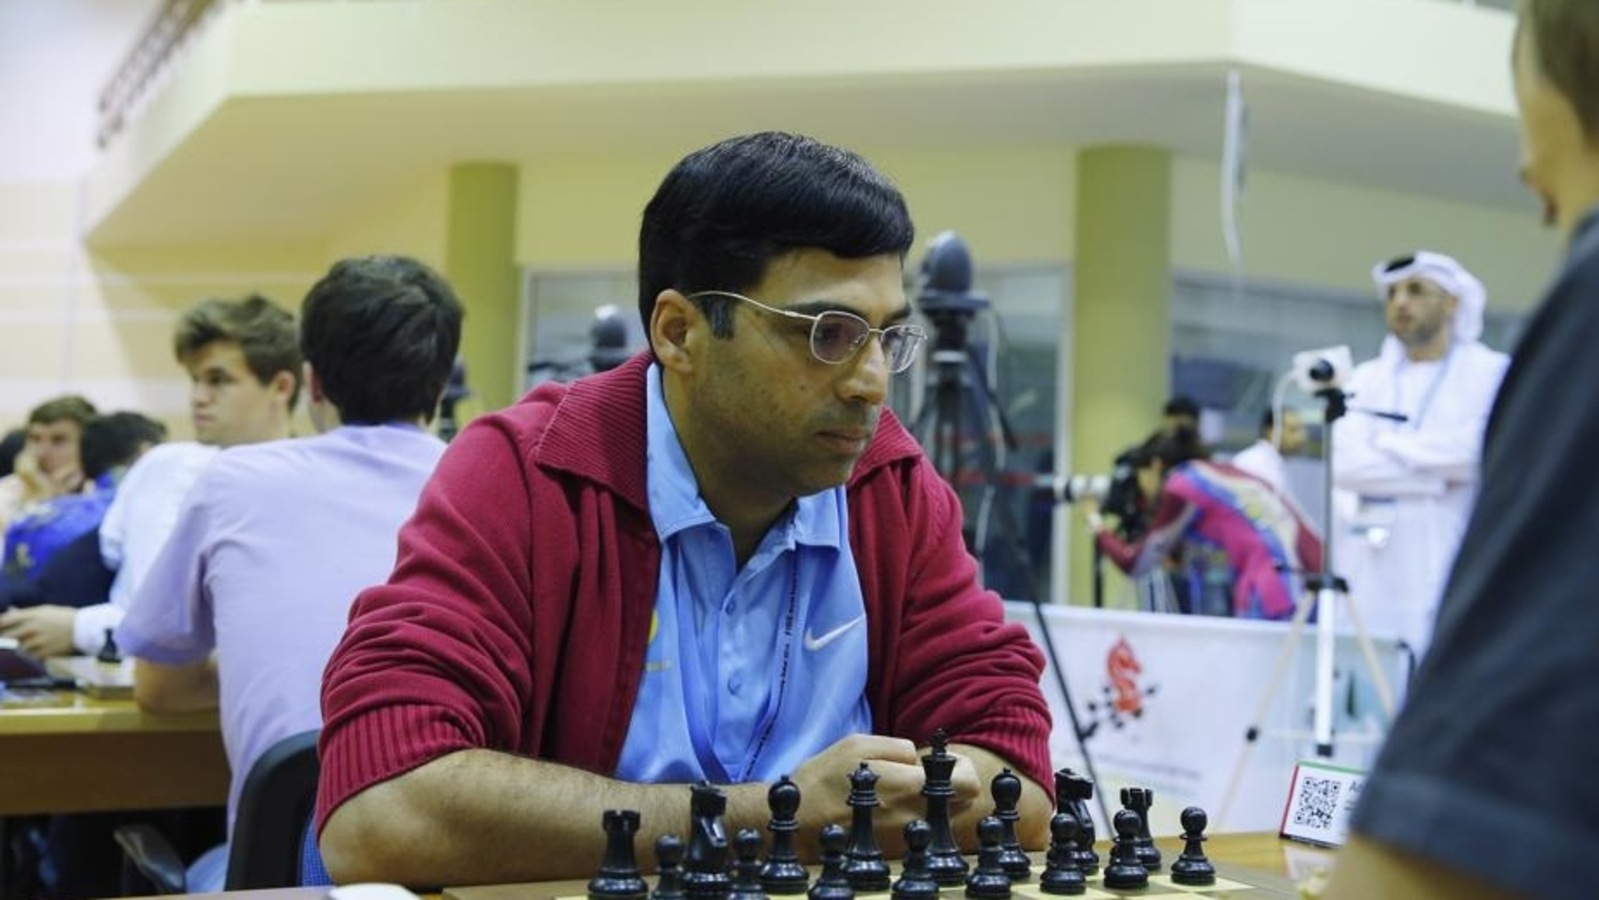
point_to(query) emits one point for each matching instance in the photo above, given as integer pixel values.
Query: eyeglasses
(837, 335)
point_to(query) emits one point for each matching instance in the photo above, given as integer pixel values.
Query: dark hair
(1171, 448)
(1565, 36)
(380, 333)
(1181, 405)
(10, 446)
(116, 439)
(725, 212)
(263, 330)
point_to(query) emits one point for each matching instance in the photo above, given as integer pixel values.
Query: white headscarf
(1448, 274)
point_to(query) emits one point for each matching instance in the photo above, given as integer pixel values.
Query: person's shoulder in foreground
(1485, 787)
(508, 653)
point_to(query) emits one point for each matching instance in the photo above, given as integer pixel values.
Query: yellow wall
(100, 324)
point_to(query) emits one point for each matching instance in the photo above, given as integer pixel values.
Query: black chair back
(275, 808)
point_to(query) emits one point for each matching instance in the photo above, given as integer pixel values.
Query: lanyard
(782, 670)
(1414, 421)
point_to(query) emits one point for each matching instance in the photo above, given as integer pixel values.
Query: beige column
(479, 260)
(1121, 291)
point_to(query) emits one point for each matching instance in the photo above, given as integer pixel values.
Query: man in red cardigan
(722, 561)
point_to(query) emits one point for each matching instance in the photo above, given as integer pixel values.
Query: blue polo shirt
(751, 671)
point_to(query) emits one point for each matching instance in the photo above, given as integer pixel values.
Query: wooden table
(62, 751)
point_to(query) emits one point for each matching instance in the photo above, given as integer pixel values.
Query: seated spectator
(244, 368)
(1241, 544)
(48, 464)
(245, 602)
(34, 541)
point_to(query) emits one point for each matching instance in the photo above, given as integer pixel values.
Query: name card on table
(1321, 799)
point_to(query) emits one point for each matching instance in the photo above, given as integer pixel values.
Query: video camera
(946, 296)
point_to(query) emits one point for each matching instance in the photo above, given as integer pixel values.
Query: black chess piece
(783, 873)
(1139, 800)
(944, 859)
(1072, 793)
(1192, 867)
(705, 865)
(863, 860)
(915, 882)
(1061, 873)
(668, 868)
(747, 870)
(831, 883)
(1006, 789)
(618, 877)
(1125, 870)
(109, 652)
(989, 880)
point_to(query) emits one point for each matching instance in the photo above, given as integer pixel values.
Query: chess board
(1259, 884)
(1233, 881)
(1160, 888)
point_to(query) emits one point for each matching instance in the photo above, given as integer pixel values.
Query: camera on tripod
(1325, 369)
(946, 296)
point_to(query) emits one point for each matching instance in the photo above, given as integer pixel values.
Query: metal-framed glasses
(836, 335)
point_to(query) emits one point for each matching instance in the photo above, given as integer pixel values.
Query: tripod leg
(1284, 657)
(1379, 681)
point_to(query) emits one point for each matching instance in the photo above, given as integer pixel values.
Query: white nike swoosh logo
(814, 643)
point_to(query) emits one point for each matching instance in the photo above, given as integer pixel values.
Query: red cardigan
(518, 613)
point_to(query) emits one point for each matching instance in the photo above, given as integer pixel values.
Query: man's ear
(282, 384)
(675, 326)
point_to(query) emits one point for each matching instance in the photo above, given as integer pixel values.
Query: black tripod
(965, 432)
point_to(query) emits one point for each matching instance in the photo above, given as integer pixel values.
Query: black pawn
(1072, 792)
(783, 873)
(1139, 800)
(619, 878)
(863, 860)
(1125, 870)
(915, 882)
(109, 652)
(1061, 874)
(988, 881)
(705, 864)
(1192, 867)
(668, 868)
(1006, 789)
(832, 883)
(747, 871)
(944, 860)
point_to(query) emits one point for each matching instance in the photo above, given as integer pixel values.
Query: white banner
(1165, 702)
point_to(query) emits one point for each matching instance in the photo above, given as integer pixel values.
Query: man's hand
(825, 786)
(40, 485)
(41, 630)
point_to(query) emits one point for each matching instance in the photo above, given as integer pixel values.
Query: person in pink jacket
(722, 561)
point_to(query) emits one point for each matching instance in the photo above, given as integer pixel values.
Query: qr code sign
(1318, 800)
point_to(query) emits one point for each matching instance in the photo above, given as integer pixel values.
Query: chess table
(64, 751)
(1247, 866)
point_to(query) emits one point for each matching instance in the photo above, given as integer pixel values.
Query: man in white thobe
(1406, 479)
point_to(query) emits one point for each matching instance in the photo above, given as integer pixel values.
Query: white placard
(1321, 798)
